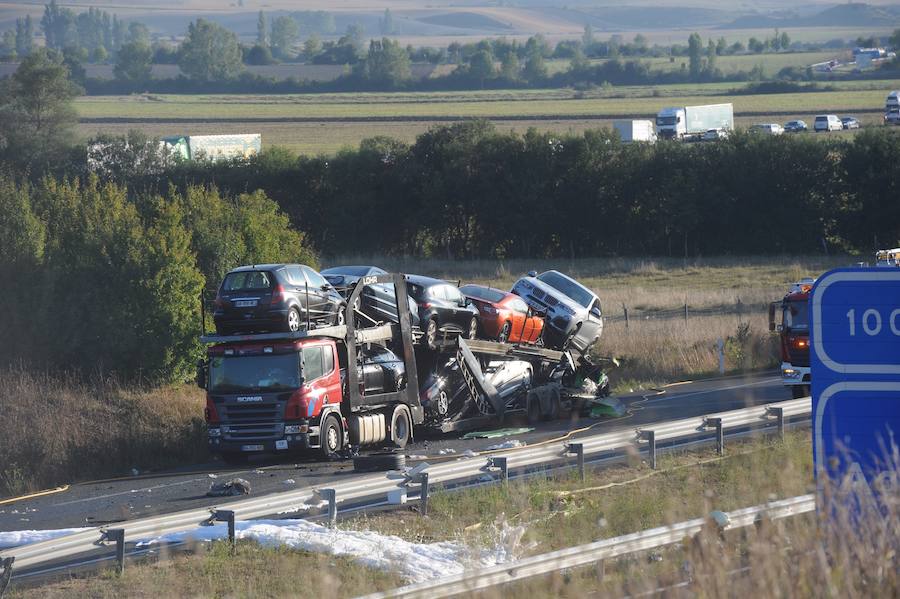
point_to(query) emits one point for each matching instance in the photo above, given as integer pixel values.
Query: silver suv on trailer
(572, 312)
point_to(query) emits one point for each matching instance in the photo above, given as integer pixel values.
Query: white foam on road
(15, 538)
(416, 562)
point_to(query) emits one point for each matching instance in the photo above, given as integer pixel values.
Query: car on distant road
(827, 122)
(892, 117)
(378, 302)
(714, 134)
(572, 312)
(275, 297)
(442, 308)
(767, 128)
(795, 126)
(504, 316)
(849, 122)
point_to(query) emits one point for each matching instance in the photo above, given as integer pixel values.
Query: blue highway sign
(855, 369)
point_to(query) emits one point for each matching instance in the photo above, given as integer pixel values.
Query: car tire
(533, 408)
(401, 428)
(503, 336)
(379, 462)
(293, 320)
(431, 331)
(472, 331)
(331, 438)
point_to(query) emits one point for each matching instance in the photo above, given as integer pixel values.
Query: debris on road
(235, 486)
(500, 432)
(511, 444)
(446, 451)
(289, 481)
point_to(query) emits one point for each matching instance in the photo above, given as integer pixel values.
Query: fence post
(720, 434)
(6, 566)
(227, 516)
(650, 437)
(740, 310)
(578, 450)
(117, 535)
(500, 462)
(423, 493)
(625, 310)
(779, 414)
(720, 346)
(685, 311)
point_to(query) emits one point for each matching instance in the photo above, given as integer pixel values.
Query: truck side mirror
(202, 370)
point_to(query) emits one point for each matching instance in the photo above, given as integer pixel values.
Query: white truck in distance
(635, 131)
(693, 121)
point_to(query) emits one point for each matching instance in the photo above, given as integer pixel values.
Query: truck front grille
(252, 422)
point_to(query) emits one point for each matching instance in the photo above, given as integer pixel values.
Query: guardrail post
(650, 437)
(500, 462)
(578, 450)
(226, 516)
(720, 434)
(778, 412)
(329, 495)
(423, 493)
(6, 565)
(117, 535)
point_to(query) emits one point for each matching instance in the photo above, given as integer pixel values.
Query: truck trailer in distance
(638, 130)
(681, 122)
(213, 147)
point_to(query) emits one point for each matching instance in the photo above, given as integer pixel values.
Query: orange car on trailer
(504, 316)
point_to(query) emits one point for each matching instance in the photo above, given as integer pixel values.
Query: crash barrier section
(376, 488)
(592, 553)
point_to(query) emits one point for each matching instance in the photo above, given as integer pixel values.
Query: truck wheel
(798, 391)
(552, 409)
(331, 439)
(533, 408)
(400, 428)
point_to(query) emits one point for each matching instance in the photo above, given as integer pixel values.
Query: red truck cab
(274, 396)
(794, 336)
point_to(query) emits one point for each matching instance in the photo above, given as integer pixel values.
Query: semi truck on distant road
(682, 122)
(638, 130)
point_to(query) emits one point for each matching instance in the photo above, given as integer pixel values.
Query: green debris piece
(608, 407)
(500, 432)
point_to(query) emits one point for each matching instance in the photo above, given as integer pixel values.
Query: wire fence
(627, 315)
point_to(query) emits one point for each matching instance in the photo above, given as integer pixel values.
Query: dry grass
(59, 429)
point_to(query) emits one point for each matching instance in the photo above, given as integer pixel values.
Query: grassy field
(327, 123)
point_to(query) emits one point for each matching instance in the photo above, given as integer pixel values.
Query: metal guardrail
(376, 487)
(582, 555)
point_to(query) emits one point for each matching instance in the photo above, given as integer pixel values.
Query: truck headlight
(215, 432)
(295, 429)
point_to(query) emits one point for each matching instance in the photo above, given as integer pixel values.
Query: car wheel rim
(293, 320)
(504, 333)
(473, 328)
(443, 403)
(340, 317)
(432, 331)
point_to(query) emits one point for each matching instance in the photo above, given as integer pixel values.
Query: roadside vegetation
(538, 515)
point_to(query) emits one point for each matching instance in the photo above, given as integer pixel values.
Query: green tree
(481, 66)
(8, 44)
(99, 55)
(312, 47)
(386, 23)
(785, 40)
(755, 46)
(134, 62)
(587, 38)
(509, 66)
(210, 52)
(262, 34)
(721, 46)
(37, 119)
(535, 69)
(24, 36)
(258, 55)
(711, 57)
(138, 33)
(387, 63)
(285, 33)
(695, 51)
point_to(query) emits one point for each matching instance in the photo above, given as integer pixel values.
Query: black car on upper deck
(275, 297)
(442, 308)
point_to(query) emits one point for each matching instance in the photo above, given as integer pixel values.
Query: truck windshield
(795, 316)
(566, 287)
(254, 374)
(665, 121)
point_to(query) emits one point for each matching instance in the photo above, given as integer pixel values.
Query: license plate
(281, 444)
(245, 303)
(251, 447)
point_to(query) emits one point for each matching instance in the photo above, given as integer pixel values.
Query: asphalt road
(106, 502)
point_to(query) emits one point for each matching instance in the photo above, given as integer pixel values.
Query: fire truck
(793, 328)
(320, 389)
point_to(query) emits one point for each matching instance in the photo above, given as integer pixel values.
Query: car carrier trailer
(306, 390)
